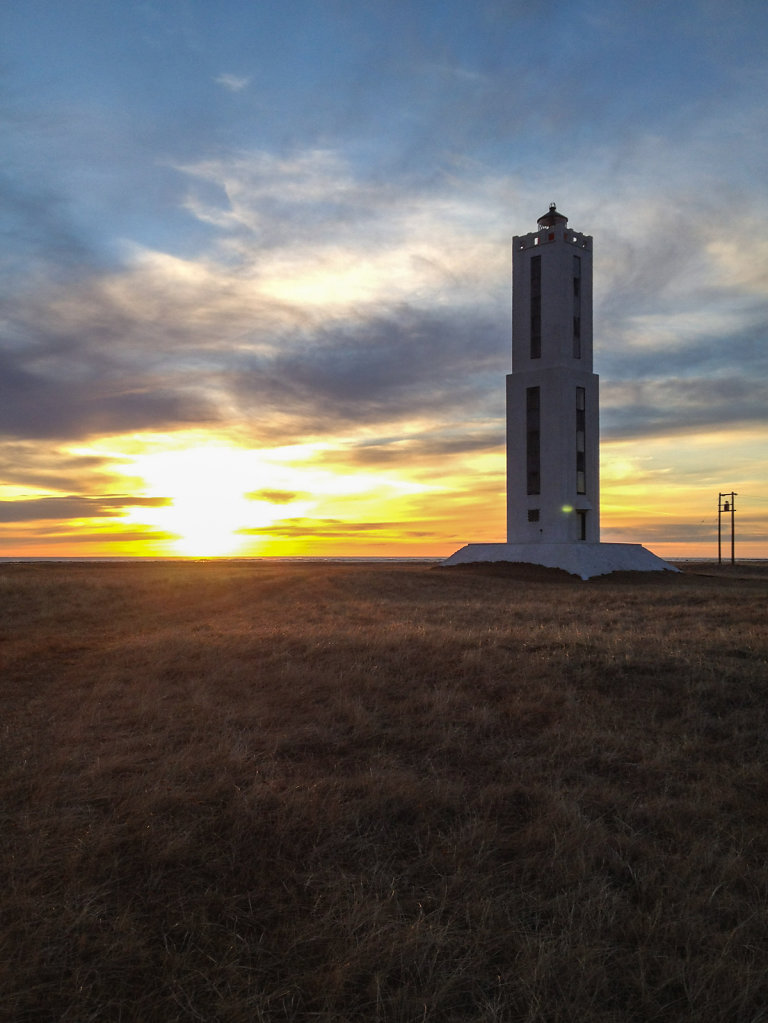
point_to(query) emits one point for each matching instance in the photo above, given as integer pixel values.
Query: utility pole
(726, 503)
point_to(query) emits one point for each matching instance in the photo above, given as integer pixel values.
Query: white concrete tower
(553, 486)
(552, 394)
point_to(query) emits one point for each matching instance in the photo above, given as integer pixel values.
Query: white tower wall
(558, 513)
(553, 481)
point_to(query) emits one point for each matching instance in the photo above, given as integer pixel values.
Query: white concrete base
(581, 559)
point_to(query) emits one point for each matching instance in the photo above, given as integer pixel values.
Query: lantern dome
(552, 218)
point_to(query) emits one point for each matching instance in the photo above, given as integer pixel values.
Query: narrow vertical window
(533, 439)
(577, 307)
(536, 307)
(582, 525)
(581, 445)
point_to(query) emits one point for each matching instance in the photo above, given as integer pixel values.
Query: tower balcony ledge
(546, 236)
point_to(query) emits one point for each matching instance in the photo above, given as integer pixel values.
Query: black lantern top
(552, 218)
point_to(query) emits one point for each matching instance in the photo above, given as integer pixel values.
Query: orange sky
(203, 496)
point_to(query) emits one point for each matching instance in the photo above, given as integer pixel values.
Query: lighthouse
(553, 415)
(553, 490)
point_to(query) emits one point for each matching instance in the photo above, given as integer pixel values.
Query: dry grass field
(383, 792)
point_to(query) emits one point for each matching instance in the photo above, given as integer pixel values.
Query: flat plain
(254, 791)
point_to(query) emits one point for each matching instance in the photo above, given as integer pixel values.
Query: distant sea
(125, 559)
(98, 559)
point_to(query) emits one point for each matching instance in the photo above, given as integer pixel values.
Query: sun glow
(222, 500)
(208, 504)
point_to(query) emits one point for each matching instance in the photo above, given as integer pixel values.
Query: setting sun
(208, 506)
(222, 500)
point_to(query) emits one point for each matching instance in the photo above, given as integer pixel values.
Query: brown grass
(257, 792)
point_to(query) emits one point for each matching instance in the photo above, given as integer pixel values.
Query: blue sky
(281, 232)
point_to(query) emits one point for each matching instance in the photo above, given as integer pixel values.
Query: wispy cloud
(326, 303)
(73, 507)
(234, 83)
(338, 529)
